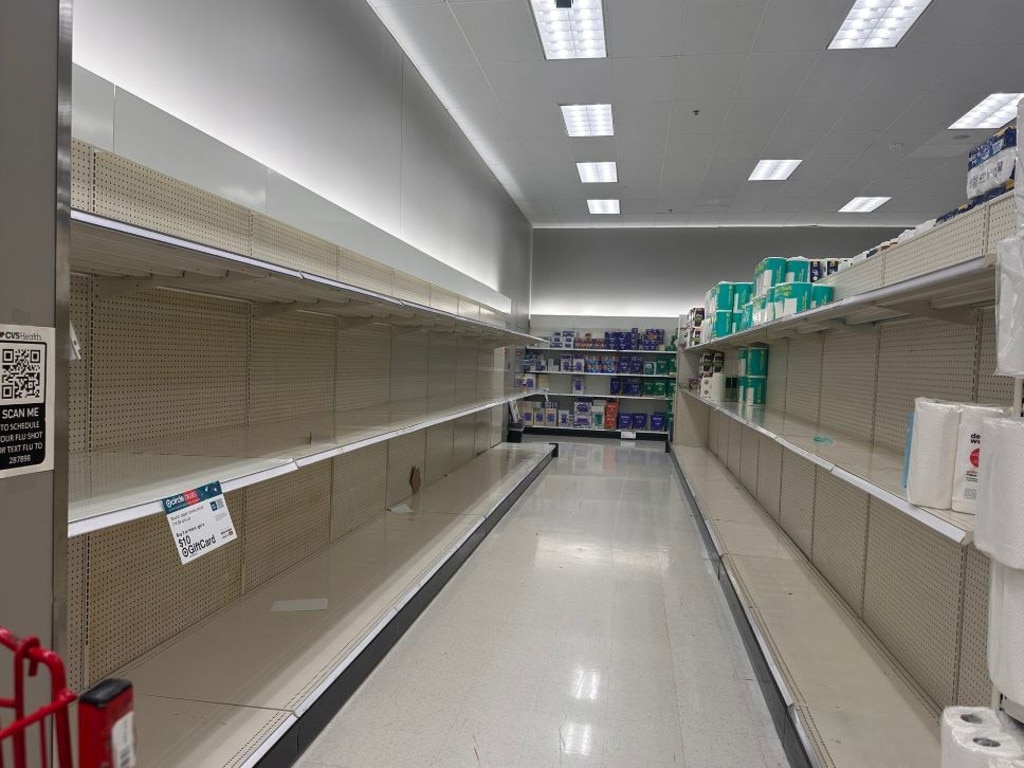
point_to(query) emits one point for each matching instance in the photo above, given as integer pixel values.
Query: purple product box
(615, 385)
(624, 364)
(625, 421)
(639, 421)
(636, 365)
(634, 387)
(565, 364)
(658, 422)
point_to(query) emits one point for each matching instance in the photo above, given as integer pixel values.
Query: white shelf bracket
(924, 308)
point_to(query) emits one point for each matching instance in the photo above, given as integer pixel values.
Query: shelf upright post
(35, 209)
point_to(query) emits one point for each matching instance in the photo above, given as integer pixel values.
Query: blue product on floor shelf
(625, 421)
(639, 421)
(634, 387)
(658, 421)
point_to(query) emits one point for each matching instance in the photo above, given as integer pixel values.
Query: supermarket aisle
(586, 630)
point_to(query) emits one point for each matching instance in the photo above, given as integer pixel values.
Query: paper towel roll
(999, 524)
(705, 387)
(933, 453)
(718, 381)
(968, 454)
(1010, 307)
(976, 748)
(971, 722)
(1006, 631)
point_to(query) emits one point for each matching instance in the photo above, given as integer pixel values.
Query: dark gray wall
(664, 272)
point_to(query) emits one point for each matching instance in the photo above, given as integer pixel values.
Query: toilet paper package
(717, 389)
(1006, 631)
(998, 526)
(933, 453)
(1010, 308)
(977, 748)
(960, 726)
(969, 454)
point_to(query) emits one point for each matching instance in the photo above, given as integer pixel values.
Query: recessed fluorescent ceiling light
(576, 32)
(994, 112)
(864, 204)
(588, 119)
(774, 170)
(878, 23)
(603, 206)
(595, 173)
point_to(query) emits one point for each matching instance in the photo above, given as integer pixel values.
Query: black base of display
(782, 716)
(298, 738)
(612, 434)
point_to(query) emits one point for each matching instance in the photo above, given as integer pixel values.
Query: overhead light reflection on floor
(586, 685)
(577, 738)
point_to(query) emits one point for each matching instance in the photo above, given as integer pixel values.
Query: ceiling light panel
(994, 112)
(774, 170)
(588, 119)
(864, 204)
(598, 173)
(603, 206)
(878, 23)
(570, 33)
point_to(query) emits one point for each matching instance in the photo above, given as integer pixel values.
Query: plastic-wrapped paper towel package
(999, 525)
(1010, 312)
(969, 453)
(969, 735)
(933, 453)
(1006, 631)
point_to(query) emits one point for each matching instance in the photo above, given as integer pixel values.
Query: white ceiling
(864, 122)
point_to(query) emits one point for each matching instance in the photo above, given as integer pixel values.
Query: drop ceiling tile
(537, 123)
(684, 168)
(672, 220)
(645, 119)
(461, 85)
(798, 25)
(945, 145)
(520, 84)
(761, 114)
(645, 206)
(889, 187)
(385, 3)
(708, 76)
(935, 112)
(500, 151)
(634, 149)
(636, 191)
(583, 81)
(646, 79)
(484, 121)
(913, 168)
(909, 72)
(819, 169)
(545, 173)
(431, 37)
(500, 30)
(845, 72)
(779, 75)
(644, 27)
(638, 219)
(640, 173)
(813, 113)
(740, 145)
(724, 178)
(711, 117)
(690, 145)
(793, 144)
(547, 150)
(594, 149)
(721, 26)
(679, 196)
(871, 114)
(845, 144)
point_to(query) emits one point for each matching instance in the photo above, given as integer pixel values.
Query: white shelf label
(200, 521)
(27, 381)
(628, 435)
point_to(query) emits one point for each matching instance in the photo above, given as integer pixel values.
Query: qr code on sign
(21, 373)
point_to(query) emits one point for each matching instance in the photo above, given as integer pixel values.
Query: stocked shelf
(841, 698)
(620, 375)
(949, 294)
(599, 396)
(872, 469)
(113, 487)
(604, 351)
(587, 430)
(129, 259)
(227, 689)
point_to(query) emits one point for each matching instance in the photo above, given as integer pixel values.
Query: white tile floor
(586, 630)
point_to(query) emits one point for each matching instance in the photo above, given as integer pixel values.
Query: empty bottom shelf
(224, 691)
(853, 706)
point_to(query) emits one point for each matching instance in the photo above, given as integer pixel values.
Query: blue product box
(639, 421)
(658, 422)
(579, 364)
(565, 363)
(615, 385)
(636, 364)
(634, 387)
(625, 421)
(624, 364)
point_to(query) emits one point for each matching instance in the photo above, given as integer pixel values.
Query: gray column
(35, 162)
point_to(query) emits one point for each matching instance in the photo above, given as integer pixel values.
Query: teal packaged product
(720, 297)
(747, 320)
(661, 367)
(757, 362)
(741, 389)
(737, 322)
(672, 366)
(741, 361)
(757, 310)
(792, 298)
(798, 271)
(755, 390)
(769, 305)
(769, 272)
(741, 293)
(821, 295)
(722, 324)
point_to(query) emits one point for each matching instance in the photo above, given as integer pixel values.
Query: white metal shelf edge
(921, 514)
(605, 351)
(253, 760)
(623, 375)
(599, 396)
